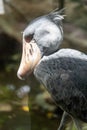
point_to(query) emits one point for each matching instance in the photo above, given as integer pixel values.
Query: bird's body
(64, 74)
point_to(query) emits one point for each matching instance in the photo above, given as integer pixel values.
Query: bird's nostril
(30, 51)
(31, 47)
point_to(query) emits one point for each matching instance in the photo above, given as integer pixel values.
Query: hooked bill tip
(20, 76)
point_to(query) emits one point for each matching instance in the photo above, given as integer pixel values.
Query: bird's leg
(78, 124)
(63, 121)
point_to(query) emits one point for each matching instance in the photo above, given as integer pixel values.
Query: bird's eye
(28, 38)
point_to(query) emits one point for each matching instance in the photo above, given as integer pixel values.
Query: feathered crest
(56, 15)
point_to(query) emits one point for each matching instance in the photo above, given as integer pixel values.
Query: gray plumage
(64, 74)
(46, 31)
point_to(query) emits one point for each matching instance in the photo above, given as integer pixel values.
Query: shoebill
(63, 72)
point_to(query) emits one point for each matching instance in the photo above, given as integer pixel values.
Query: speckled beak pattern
(30, 57)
